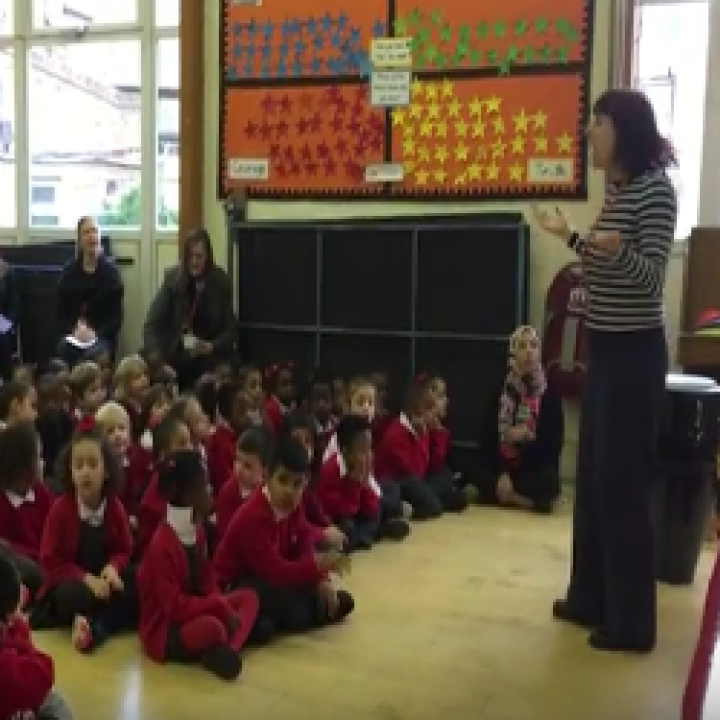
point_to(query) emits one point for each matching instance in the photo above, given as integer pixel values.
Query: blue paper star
(378, 29)
(281, 70)
(316, 66)
(248, 69)
(334, 66)
(265, 70)
(341, 21)
(318, 42)
(297, 68)
(337, 40)
(231, 73)
(250, 51)
(310, 25)
(236, 29)
(326, 22)
(266, 52)
(300, 47)
(237, 51)
(284, 50)
(268, 30)
(362, 63)
(296, 26)
(287, 28)
(252, 29)
(354, 36)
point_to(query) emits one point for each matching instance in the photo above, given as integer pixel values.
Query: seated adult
(89, 299)
(522, 434)
(191, 323)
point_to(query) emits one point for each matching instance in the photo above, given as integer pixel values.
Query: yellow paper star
(521, 121)
(454, 108)
(421, 177)
(478, 129)
(475, 107)
(541, 144)
(408, 130)
(409, 166)
(499, 126)
(423, 153)
(516, 173)
(434, 111)
(440, 176)
(398, 117)
(498, 149)
(492, 172)
(493, 104)
(441, 154)
(441, 129)
(409, 146)
(518, 145)
(461, 152)
(430, 91)
(447, 89)
(416, 88)
(539, 120)
(564, 143)
(474, 171)
(461, 128)
(461, 179)
(426, 129)
(416, 112)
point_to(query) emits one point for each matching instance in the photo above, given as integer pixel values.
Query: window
(42, 195)
(167, 13)
(6, 17)
(8, 195)
(72, 14)
(90, 90)
(671, 67)
(168, 130)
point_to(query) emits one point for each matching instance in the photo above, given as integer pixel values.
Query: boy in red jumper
(345, 492)
(27, 675)
(403, 456)
(183, 615)
(320, 406)
(25, 501)
(252, 466)
(269, 547)
(221, 446)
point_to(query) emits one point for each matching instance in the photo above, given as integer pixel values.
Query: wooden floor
(455, 622)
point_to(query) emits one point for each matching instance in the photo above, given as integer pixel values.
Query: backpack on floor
(564, 341)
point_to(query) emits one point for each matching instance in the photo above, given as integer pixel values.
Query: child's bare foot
(81, 634)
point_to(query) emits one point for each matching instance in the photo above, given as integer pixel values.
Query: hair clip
(86, 424)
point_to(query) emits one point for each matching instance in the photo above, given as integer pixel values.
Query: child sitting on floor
(131, 384)
(86, 548)
(88, 391)
(280, 394)
(270, 547)
(18, 402)
(250, 379)
(184, 617)
(27, 675)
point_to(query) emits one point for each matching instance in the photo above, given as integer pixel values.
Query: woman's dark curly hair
(639, 146)
(111, 463)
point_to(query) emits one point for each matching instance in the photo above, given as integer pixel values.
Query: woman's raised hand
(553, 222)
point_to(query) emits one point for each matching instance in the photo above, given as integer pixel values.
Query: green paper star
(545, 54)
(431, 53)
(521, 27)
(423, 35)
(504, 68)
(528, 55)
(571, 33)
(499, 29)
(446, 34)
(482, 30)
(415, 16)
(464, 33)
(400, 26)
(562, 55)
(419, 61)
(491, 57)
(475, 57)
(541, 24)
(415, 43)
(436, 17)
(441, 61)
(512, 54)
(462, 48)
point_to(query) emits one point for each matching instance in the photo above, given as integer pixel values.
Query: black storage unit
(402, 295)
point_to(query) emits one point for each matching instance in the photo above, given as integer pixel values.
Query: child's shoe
(82, 637)
(223, 661)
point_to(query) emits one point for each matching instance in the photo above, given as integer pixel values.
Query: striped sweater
(625, 293)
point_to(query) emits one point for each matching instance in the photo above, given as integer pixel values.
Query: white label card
(255, 169)
(390, 88)
(250, 3)
(385, 172)
(550, 170)
(390, 53)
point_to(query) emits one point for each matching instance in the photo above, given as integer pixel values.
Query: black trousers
(28, 570)
(432, 495)
(613, 576)
(360, 531)
(391, 499)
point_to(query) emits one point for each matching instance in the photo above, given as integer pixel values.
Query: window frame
(23, 38)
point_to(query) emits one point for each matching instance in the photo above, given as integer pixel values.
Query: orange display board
(486, 102)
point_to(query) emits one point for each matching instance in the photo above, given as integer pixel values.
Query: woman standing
(625, 256)
(191, 323)
(89, 298)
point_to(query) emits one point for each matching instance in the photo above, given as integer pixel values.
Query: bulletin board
(470, 100)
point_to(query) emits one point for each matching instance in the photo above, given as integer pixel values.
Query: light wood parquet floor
(455, 623)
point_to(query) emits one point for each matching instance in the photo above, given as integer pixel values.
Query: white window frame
(148, 34)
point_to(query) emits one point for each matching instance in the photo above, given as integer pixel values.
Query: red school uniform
(259, 543)
(61, 540)
(274, 414)
(166, 600)
(137, 474)
(221, 449)
(380, 424)
(403, 452)
(341, 497)
(323, 436)
(231, 497)
(439, 442)
(151, 513)
(22, 519)
(27, 673)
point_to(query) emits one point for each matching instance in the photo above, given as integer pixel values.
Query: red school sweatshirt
(22, 523)
(402, 453)
(343, 497)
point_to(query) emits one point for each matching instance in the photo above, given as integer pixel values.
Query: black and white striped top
(625, 293)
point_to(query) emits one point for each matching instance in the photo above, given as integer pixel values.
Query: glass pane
(6, 17)
(7, 139)
(84, 133)
(167, 13)
(672, 70)
(168, 129)
(58, 14)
